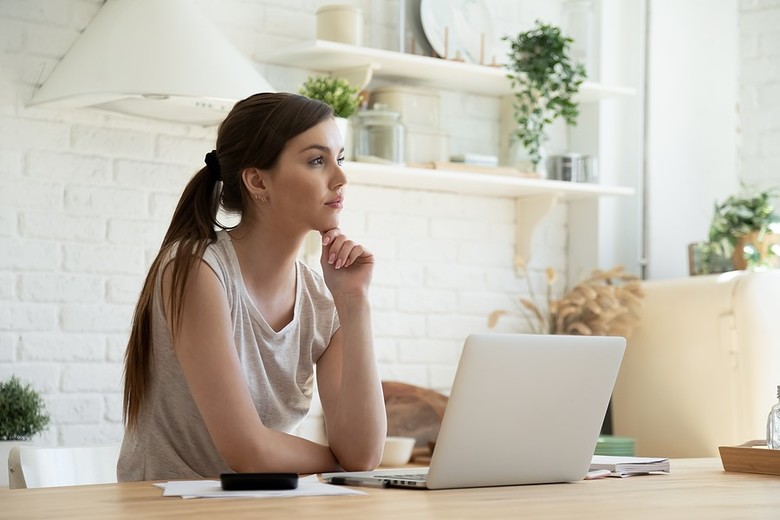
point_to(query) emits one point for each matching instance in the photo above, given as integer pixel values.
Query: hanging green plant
(545, 80)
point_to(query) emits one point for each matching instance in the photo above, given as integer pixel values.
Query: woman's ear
(255, 182)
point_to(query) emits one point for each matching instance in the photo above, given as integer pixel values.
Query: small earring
(263, 199)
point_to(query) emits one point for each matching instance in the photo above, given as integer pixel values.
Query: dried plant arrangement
(605, 304)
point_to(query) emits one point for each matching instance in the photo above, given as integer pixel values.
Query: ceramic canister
(340, 23)
(572, 167)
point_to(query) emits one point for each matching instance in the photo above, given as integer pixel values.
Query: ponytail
(191, 230)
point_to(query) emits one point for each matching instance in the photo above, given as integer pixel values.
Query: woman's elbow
(250, 456)
(365, 464)
(246, 464)
(366, 460)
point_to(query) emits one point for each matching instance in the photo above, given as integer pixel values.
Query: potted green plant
(336, 92)
(742, 229)
(22, 416)
(545, 80)
(339, 94)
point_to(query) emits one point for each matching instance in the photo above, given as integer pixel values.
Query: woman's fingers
(329, 235)
(341, 251)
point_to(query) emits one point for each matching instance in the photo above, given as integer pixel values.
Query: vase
(703, 259)
(758, 245)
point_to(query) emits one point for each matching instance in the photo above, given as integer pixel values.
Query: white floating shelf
(474, 183)
(326, 56)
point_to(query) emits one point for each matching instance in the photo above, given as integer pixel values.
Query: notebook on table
(524, 409)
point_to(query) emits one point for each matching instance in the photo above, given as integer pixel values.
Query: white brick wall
(759, 84)
(85, 199)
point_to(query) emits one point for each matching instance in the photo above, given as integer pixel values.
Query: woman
(229, 326)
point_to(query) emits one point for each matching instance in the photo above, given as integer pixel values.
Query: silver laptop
(524, 409)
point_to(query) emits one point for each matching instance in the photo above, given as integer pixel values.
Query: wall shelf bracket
(530, 210)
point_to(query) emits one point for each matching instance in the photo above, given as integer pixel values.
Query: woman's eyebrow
(320, 147)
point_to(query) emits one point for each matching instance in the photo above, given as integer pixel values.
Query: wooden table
(696, 488)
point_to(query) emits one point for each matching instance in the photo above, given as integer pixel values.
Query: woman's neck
(267, 262)
(267, 258)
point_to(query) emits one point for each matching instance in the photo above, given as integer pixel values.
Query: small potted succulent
(22, 416)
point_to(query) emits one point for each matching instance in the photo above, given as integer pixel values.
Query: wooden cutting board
(413, 411)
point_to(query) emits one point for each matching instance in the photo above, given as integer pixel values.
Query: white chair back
(35, 467)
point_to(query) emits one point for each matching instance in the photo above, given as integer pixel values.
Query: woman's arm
(347, 377)
(207, 354)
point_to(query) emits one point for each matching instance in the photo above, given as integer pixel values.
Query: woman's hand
(346, 265)
(347, 376)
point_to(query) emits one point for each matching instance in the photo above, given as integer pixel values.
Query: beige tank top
(171, 440)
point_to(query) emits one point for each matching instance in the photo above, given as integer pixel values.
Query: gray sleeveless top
(171, 440)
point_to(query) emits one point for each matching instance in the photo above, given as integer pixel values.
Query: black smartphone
(249, 481)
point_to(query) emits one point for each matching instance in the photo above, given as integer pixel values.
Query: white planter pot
(346, 134)
(5, 449)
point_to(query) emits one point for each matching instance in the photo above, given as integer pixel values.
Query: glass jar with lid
(379, 136)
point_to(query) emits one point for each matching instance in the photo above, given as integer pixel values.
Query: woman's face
(305, 186)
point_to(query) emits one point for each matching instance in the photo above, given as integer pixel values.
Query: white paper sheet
(307, 486)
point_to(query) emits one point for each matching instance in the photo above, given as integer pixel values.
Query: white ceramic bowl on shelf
(398, 451)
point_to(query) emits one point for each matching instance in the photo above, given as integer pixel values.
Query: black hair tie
(212, 162)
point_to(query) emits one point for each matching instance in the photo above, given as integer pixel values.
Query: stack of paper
(307, 486)
(628, 466)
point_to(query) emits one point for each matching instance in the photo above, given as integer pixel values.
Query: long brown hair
(253, 134)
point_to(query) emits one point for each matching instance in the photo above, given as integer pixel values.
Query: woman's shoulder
(313, 282)
(310, 275)
(218, 256)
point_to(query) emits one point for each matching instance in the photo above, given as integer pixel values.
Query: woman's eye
(316, 161)
(340, 161)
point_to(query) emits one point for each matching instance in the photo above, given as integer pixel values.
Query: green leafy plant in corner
(22, 411)
(336, 92)
(545, 80)
(743, 221)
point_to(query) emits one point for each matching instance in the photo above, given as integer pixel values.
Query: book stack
(629, 466)
(617, 446)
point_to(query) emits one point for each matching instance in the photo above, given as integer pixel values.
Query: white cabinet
(534, 197)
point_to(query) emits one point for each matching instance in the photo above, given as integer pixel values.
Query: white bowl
(398, 451)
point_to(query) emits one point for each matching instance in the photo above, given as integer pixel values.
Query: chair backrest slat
(34, 467)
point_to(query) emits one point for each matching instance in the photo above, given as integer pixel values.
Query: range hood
(159, 59)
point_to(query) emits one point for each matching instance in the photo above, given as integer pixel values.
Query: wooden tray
(747, 459)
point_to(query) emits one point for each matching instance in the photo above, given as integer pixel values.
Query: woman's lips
(336, 203)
